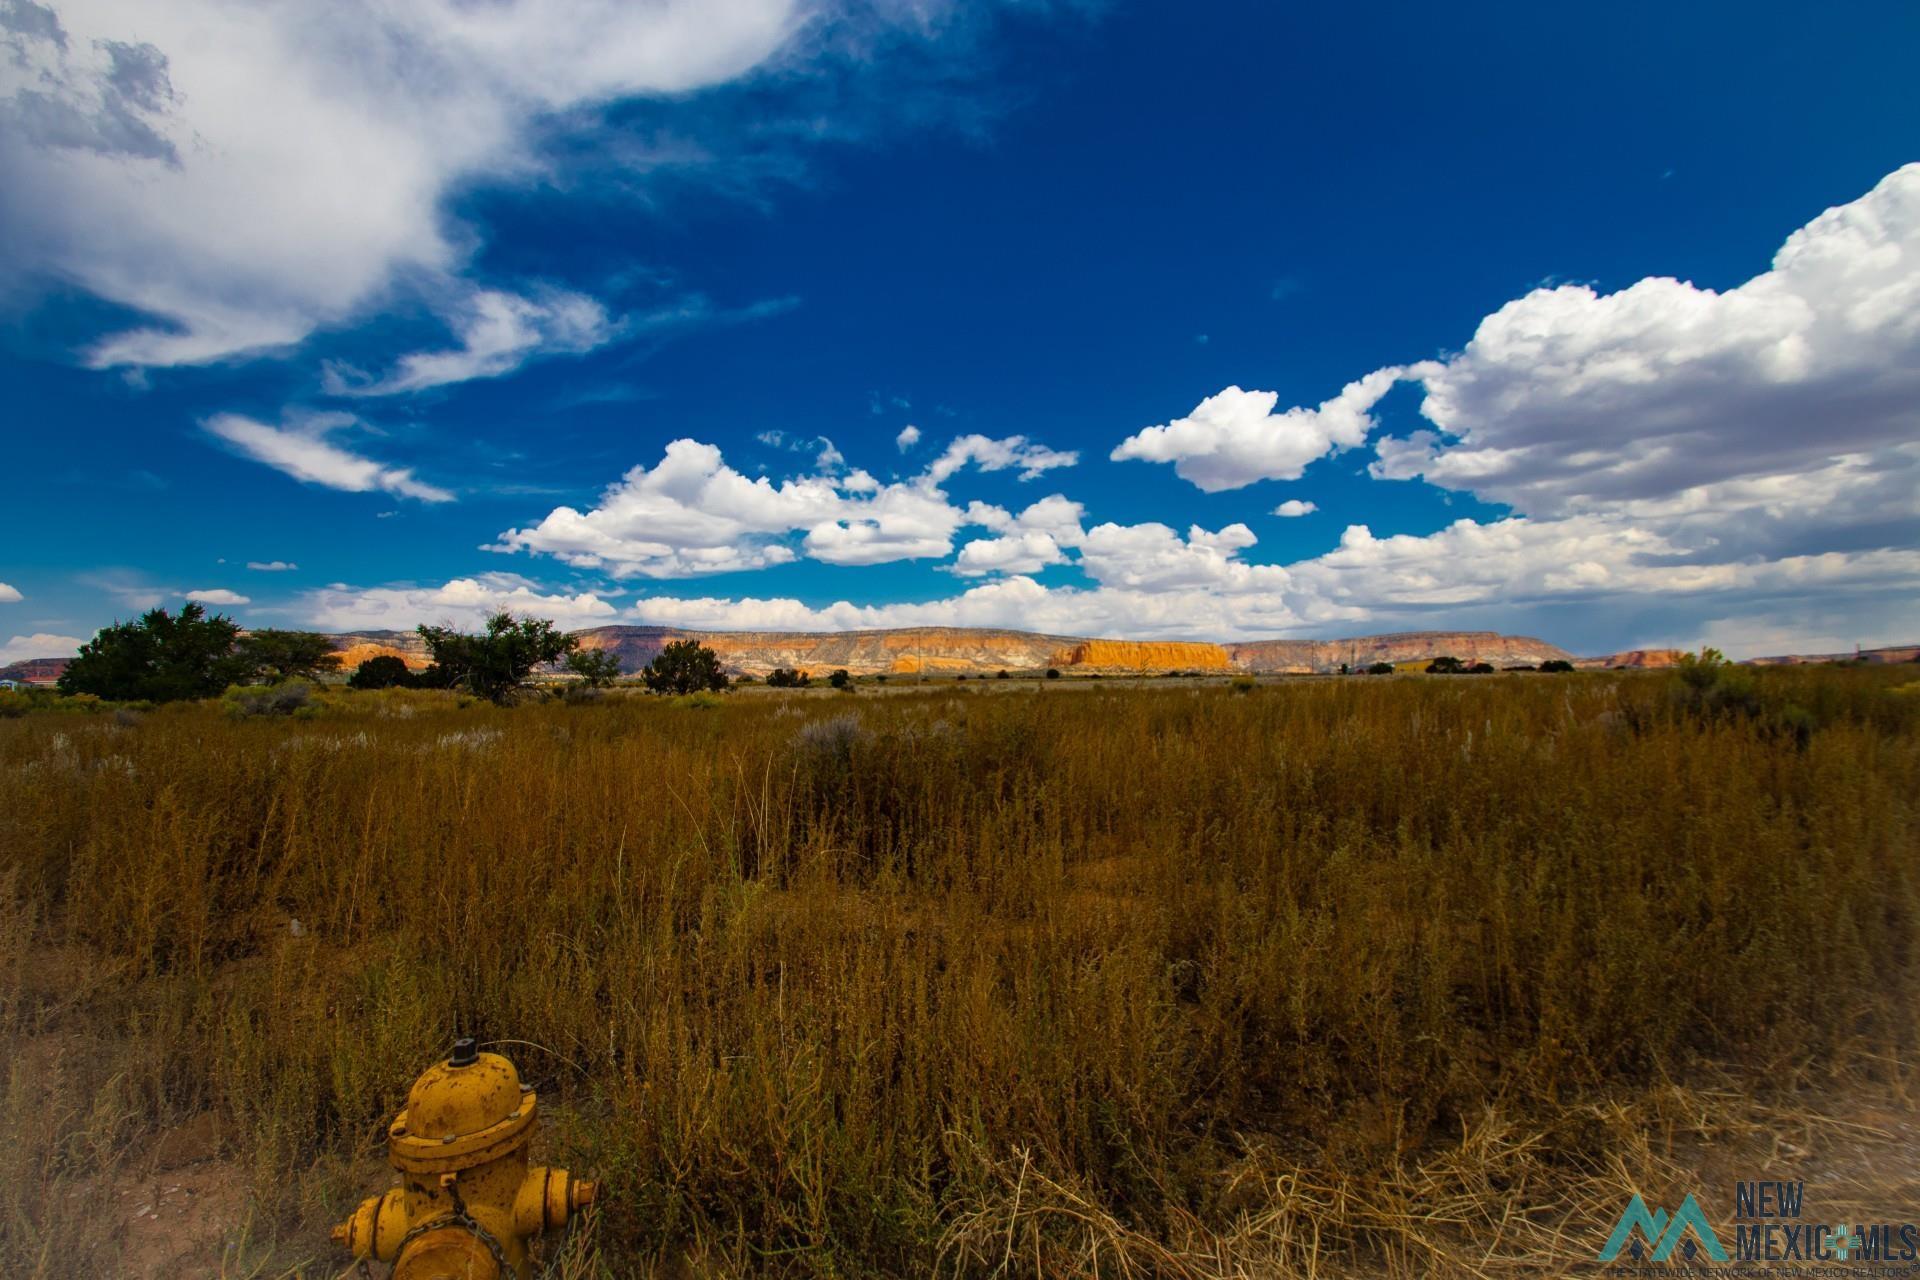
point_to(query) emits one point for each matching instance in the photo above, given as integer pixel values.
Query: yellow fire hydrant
(467, 1203)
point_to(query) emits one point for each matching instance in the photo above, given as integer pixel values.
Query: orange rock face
(1143, 655)
(355, 654)
(933, 663)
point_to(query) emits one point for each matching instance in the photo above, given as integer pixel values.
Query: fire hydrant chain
(466, 1202)
(463, 1220)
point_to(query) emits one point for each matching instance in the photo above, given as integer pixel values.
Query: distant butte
(981, 651)
(954, 651)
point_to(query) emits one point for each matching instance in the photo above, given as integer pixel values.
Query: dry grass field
(1395, 976)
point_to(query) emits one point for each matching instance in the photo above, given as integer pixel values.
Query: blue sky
(1597, 323)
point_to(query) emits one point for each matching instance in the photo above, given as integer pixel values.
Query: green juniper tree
(685, 666)
(161, 657)
(597, 668)
(382, 672)
(274, 655)
(499, 662)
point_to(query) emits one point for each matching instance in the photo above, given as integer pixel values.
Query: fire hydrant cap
(457, 1114)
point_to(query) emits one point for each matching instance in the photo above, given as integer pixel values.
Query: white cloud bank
(692, 514)
(463, 602)
(247, 173)
(300, 449)
(218, 596)
(1370, 583)
(39, 645)
(1151, 581)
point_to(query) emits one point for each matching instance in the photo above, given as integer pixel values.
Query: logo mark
(1662, 1231)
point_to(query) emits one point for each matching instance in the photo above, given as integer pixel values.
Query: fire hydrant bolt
(466, 1203)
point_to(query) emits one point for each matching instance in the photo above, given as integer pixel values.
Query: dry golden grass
(1395, 976)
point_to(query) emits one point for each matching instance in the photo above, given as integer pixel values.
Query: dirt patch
(173, 1223)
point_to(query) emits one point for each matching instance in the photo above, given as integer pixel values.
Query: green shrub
(597, 668)
(683, 667)
(1706, 684)
(383, 671)
(282, 699)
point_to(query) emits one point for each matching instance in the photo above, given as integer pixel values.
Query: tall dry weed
(1319, 978)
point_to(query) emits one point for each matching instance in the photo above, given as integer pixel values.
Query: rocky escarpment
(1359, 652)
(984, 651)
(1632, 660)
(905, 651)
(965, 650)
(34, 670)
(912, 650)
(1872, 657)
(352, 655)
(355, 647)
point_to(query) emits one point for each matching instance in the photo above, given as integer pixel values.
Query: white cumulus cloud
(218, 595)
(1039, 536)
(1781, 416)
(1294, 508)
(301, 450)
(909, 436)
(693, 514)
(272, 566)
(1030, 457)
(9, 594)
(1153, 557)
(1234, 438)
(1012, 553)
